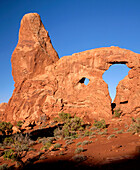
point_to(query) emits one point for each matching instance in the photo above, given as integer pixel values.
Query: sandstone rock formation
(46, 85)
(2, 110)
(34, 50)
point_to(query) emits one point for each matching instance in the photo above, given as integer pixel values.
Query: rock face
(34, 50)
(46, 85)
(2, 110)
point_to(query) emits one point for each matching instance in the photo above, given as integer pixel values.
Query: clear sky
(73, 25)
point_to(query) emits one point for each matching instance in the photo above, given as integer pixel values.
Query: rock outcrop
(2, 110)
(46, 85)
(34, 50)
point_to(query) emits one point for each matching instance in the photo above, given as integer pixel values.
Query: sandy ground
(121, 151)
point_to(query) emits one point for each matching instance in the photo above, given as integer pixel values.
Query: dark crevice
(46, 132)
(113, 105)
(124, 102)
(119, 62)
(82, 80)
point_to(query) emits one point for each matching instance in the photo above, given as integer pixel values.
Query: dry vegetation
(66, 136)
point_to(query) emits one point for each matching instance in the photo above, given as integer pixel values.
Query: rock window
(84, 80)
(113, 75)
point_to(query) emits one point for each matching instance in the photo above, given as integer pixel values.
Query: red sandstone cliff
(46, 85)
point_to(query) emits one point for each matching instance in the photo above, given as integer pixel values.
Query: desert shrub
(79, 158)
(90, 137)
(119, 131)
(69, 142)
(110, 136)
(16, 154)
(20, 123)
(6, 127)
(45, 140)
(93, 128)
(115, 128)
(57, 146)
(103, 132)
(56, 119)
(133, 119)
(71, 125)
(135, 126)
(51, 139)
(100, 124)
(79, 150)
(9, 154)
(64, 116)
(46, 146)
(79, 143)
(86, 142)
(8, 141)
(57, 132)
(87, 133)
(4, 167)
(117, 113)
(20, 139)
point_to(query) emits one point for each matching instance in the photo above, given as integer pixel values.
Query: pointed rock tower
(34, 50)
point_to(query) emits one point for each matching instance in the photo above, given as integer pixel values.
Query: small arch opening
(84, 80)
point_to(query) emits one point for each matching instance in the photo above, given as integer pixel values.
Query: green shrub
(8, 141)
(115, 128)
(20, 123)
(17, 154)
(6, 127)
(79, 150)
(79, 143)
(57, 146)
(9, 154)
(57, 132)
(71, 125)
(90, 137)
(64, 116)
(100, 124)
(21, 139)
(135, 126)
(93, 128)
(119, 131)
(111, 136)
(86, 142)
(45, 140)
(103, 132)
(56, 119)
(117, 113)
(88, 133)
(46, 146)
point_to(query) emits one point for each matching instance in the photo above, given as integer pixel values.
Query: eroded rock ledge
(46, 85)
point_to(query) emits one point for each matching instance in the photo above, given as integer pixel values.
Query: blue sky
(73, 25)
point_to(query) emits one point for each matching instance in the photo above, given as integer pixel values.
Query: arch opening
(84, 80)
(113, 76)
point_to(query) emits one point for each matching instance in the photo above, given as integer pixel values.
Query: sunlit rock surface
(46, 85)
